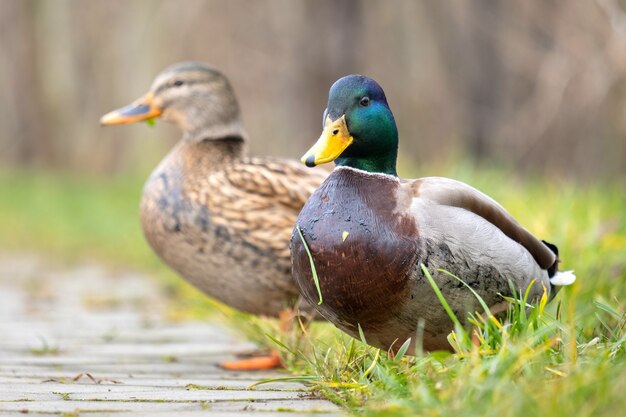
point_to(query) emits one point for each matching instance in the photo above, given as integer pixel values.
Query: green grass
(564, 358)
(560, 359)
(73, 218)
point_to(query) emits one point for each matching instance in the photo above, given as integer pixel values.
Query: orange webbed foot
(257, 363)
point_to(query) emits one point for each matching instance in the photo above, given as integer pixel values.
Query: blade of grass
(478, 297)
(402, 351)
(301, 378)
(313, 270)
(373, 365)
(440, 296)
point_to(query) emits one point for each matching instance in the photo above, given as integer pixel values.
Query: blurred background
(524, 100)
(534, 86)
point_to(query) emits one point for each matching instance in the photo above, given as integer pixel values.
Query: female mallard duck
(369, 232)
(218, 218)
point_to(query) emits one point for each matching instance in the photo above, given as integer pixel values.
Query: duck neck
(192, 161)
(383, 164)
(212, 154)
(204, 133)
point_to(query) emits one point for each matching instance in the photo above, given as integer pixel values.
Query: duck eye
(365, 101)
(178, 83)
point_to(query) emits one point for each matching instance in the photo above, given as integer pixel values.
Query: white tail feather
(563, 278)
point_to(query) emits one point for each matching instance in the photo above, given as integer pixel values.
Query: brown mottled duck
(219, 218)
(369, 233)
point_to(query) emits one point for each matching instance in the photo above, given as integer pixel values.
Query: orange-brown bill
(143, 108)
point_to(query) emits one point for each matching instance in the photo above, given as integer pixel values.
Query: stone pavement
(84, 341)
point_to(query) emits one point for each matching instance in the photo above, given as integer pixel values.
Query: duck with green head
(369, 233)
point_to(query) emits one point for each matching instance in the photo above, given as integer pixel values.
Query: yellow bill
(141, 109)
(334, 140)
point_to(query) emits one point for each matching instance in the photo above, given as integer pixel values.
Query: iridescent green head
(359, 128)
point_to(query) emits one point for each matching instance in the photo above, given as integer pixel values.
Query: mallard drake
(369, 232)
(220, 219)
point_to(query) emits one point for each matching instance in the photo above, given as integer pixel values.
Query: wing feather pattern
(448, 192)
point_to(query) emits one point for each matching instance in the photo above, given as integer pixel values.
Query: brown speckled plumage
(220, 219)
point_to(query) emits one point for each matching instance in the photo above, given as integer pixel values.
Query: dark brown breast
(363, 279)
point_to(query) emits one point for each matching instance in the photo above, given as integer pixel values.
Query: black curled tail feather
(552, 269)
(558, 278)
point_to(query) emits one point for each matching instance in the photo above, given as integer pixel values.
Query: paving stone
(60, 354)
(241, 407)
(46, 373)
(62, 406)
(122, 392)
(66, 378)
(217, 413)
